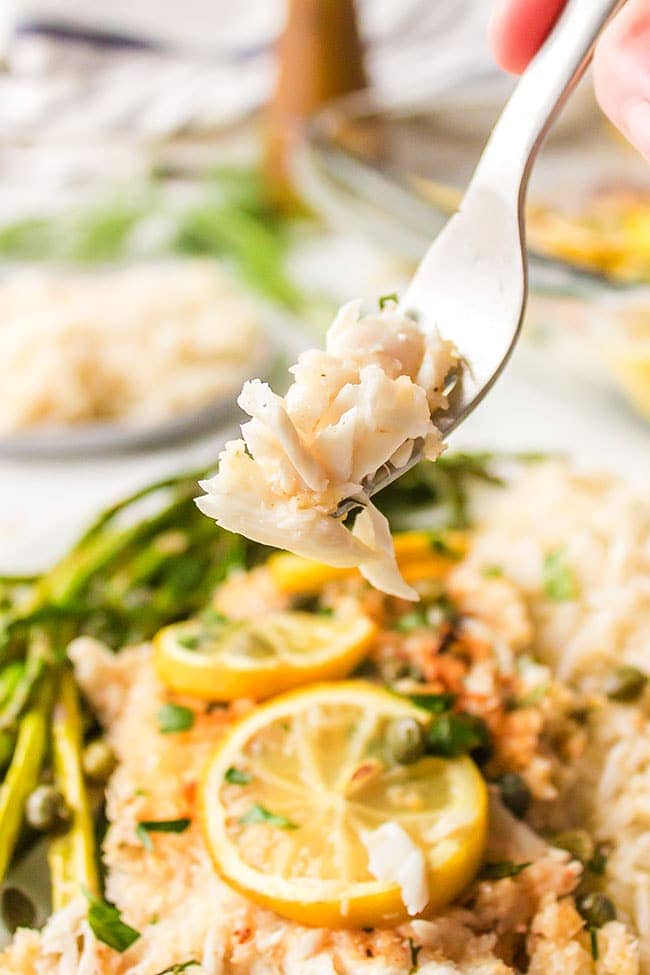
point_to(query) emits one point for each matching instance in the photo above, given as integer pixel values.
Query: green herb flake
(433, 703)
(148, 826)
(414, 951)
(558, 578)
(179, 967)
(385, 299)
(501, 870)
(441, 546)
(173, 718)
(189, 641)
(237, 776)
(492, 572)
(411, 621)
(212, 617)
(593, 941)
(258, 814)
(451, 735)
(107, 925)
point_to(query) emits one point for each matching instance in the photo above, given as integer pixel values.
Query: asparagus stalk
(71, 857)
(188, 481)
(23, 772)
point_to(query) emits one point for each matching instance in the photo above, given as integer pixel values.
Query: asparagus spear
(23, 772)
(71, 857)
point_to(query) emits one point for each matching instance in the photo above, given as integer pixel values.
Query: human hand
(621, 62)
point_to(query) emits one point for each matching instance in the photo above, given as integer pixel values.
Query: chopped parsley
(189, 641)
(501, 870)
(414, 951)
(107, 925)
(173, 718)
(159, 826)
(451, 735)
(434, 703)
(179, 967)
(237, 776)
(411, 621)
(258, 814)
(558, 578)
(385, 299)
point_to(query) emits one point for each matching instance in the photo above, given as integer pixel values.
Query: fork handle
(540, 95)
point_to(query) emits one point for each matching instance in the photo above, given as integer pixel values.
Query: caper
(17, 909)
(47, 810)
(515, 794)
(577, 842)
(405, 741)
(625, 684)
(596, 909)
(98, 760)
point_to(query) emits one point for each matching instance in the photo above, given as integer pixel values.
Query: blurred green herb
(237, 776)
(231, 218)
(107, 925)
(558, 578)
(173, 718)
(259, 814)
(501, 870)
(145, 827)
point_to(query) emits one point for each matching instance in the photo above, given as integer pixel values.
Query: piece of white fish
(352, 408)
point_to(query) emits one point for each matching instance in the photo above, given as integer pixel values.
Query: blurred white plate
(95, 438)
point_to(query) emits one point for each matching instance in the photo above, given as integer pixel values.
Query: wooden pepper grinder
(320, 57)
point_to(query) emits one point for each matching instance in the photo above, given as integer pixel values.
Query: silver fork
(472, 283)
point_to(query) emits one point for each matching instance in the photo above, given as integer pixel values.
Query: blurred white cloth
(209, 62)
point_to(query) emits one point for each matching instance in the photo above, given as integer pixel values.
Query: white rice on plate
(137, 344)
(602, 528)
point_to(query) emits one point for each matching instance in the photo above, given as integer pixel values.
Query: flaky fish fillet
(358, 405)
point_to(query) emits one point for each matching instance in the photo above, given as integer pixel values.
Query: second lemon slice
(300, 789)
(226, 660)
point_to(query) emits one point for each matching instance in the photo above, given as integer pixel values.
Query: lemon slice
(226, 660)
(294, 790)
(420, 555)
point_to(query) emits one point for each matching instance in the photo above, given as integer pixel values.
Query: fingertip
(622, 73)
(504, 41)
(518, 28)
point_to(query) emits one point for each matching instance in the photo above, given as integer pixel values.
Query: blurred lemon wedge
(293, 791)
(224, 659)
(420, 555)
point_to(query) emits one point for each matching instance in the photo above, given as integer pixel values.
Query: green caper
(515, 794)
(625, 684)
(98, 760)
(47, 810)
(404, 741)
(577, 842)
(596, 909)
(17, 909)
